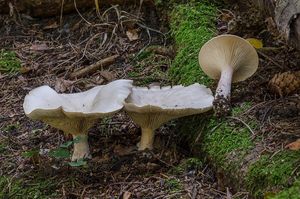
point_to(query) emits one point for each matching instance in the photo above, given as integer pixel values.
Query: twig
(94, 67)
(235, 118)
(75, 5)
(270, 59)
(61, 13)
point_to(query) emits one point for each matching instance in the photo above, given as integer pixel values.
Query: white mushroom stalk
(76, 113)
(228, 58)
(150, 108)
(223, 92)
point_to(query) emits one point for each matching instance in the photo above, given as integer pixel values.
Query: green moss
(272, 170)
(291, 193)
(36, 188)
(192, 24)
(11, 127)
(224, 142)
(187, 165)
(173, 184)
(148, 68)
(224, 137)
(9, 63)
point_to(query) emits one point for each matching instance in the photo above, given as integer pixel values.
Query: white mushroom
(150, 108)
(76, 113)
(228, 58)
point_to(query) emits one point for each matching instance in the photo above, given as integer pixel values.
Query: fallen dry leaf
(39, 47)
(132, 34)
(122, 150)
(256, 43)
(61, 85)
(25, 69)
(51, 26)
(108, 75)
(294, 146)
(126, 195)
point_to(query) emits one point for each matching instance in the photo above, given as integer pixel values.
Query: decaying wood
(286, 14)
(94, 67)
(45, 8)
(287, 19)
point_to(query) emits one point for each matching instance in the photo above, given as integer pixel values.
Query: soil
(51, 49)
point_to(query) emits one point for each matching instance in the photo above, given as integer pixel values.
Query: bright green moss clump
(224, 137)
(192, 24)
(219, 139)
(9, 63)
(290, 193)
(270, 171)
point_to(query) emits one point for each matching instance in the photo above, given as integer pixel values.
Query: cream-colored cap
(74, 113)
(150, 108)
(228, 51)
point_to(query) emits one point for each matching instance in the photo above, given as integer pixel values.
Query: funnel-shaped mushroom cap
(74, 113)
(228, 51)
(152, 107)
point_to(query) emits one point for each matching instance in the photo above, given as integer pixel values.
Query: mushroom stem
(81, 147)
(222, 97)
(147, 139)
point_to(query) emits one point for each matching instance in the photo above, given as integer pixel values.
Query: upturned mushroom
(150, 108)
(76, 113)
(228, 58)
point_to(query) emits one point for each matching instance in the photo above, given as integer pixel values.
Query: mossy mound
(291, 193)
(192, 24)
(273, 172)
(228, 144)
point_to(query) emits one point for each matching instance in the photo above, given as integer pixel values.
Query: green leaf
(30, 154)
(66, 144)
(59, 153)
(78, 163)
(77, 139)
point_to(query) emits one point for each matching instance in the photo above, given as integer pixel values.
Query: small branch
(94, 67)
(235, 118)
(270, 59)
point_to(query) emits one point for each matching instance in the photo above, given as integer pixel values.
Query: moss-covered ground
(227, 144)
(35, 188)
(290, 193)
(192, 24)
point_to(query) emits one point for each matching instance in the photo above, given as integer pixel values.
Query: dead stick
(94, 67)
(270, 59)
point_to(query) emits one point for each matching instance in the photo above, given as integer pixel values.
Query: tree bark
(286, 14)
(46, 8)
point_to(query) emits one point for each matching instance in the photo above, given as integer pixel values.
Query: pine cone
(285, 83)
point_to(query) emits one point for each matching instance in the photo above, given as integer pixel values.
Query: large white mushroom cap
(74, 113)
(152, 107)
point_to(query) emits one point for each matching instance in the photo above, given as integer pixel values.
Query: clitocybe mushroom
(150, 108)
(228, 58)
(76, 113)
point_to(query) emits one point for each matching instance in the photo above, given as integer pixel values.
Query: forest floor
(49, 50)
